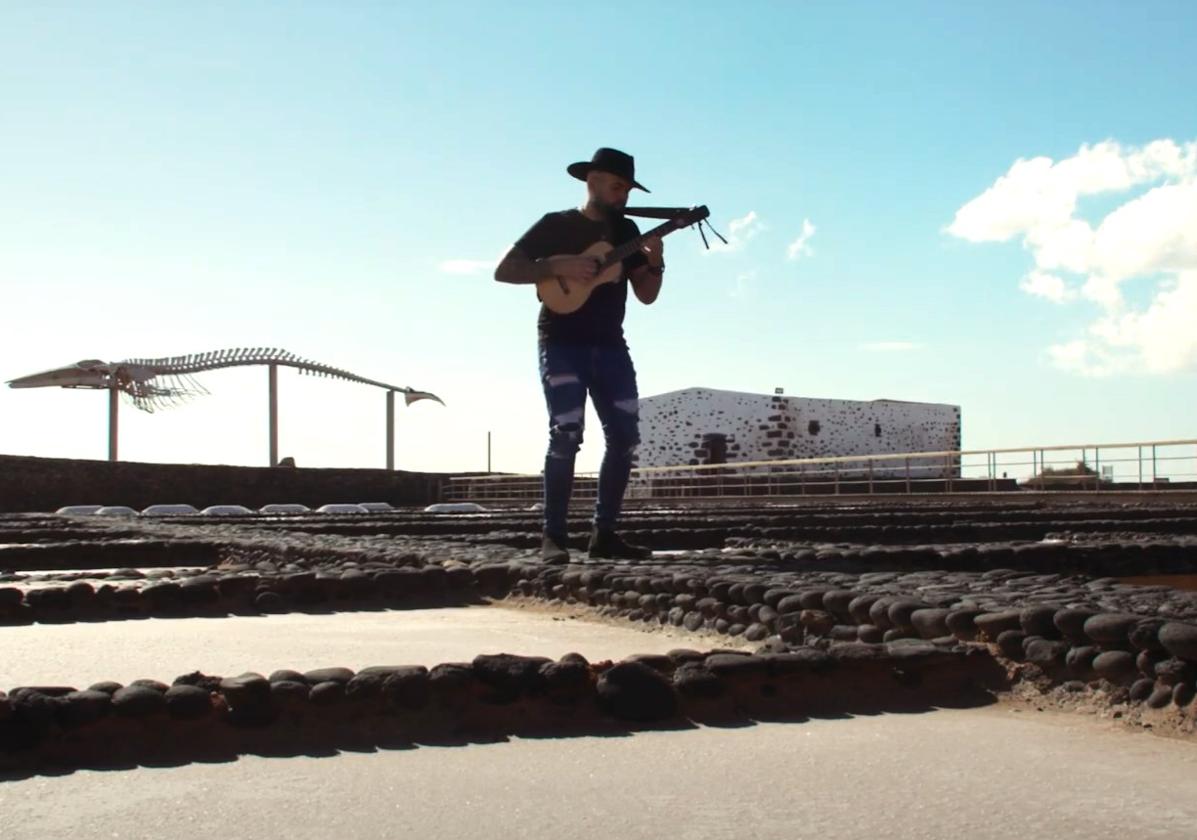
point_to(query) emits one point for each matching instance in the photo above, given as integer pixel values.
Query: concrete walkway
(984, 774)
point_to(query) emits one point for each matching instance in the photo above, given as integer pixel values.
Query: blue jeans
(568, 372)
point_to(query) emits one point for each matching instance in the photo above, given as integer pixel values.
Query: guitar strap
(670, 213)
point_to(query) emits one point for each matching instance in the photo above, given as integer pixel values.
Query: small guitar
(564, 296)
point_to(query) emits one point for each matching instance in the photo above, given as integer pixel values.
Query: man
(585, 351)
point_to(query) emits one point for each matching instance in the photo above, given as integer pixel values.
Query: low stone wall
(204, 717)
(44, 484)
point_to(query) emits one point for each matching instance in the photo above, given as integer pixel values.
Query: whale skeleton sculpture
(153, 384)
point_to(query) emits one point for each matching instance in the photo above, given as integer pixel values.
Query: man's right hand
(573, 269)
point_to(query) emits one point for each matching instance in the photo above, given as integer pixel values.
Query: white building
(707, 426)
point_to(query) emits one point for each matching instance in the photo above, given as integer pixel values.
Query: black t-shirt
(600, 319)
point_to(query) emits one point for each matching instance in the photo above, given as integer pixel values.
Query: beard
(613, 212)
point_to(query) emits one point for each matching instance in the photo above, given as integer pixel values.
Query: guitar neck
(622, 252)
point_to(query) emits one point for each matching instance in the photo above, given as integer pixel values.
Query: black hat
(608, 160)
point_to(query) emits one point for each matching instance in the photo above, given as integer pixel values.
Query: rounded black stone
(1009, 642)
(138, 701)
(879, 613)
(1182, 694)
(1114, 665)
(319, 675)
(931, 623)
(1172, 671)
(327, 693)
(188, 702)
(79, 708)
(632, 691)
(566, 680)
(1111, 629)
(286, 675)
(1140, 690)
(156, 685)
(290, 691)
(1146, 661)
(1160, 697)
(900, 611)
(859, 608)
(81, 594)
(108, 687)
(508, 676)
(1045, 651)
(1039, 621)
(1180, 640)
(790, 604)
(1071, 622)
(248, 697)
(1079, 660)
(870, 634)
(962, 623)
(693, 680)
(1145, 635)
(450, 679)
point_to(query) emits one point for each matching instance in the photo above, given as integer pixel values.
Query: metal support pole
(1097, 465)
(1140, 467)
(1153, 474)
(274, 415)
(390, 430)
(113, 405)
(488, 453)
(907, 476)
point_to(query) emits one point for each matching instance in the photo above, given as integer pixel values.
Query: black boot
(608, 545)
(553, 550)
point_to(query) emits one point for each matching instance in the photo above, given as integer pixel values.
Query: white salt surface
(81, 654)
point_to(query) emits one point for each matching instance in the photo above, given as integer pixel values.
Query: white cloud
(1045, 285)
(745, 284)
(1162, 338)
(466, 266)
(890, 346)
(800, 247)
(739, 232)
(1151, 235)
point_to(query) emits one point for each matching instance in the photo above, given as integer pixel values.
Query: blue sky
(990, 205)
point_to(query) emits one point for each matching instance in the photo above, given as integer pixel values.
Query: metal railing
(1147, 465)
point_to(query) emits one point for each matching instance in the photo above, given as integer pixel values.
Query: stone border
(202, 717)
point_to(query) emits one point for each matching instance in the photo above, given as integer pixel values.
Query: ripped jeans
(567, 372)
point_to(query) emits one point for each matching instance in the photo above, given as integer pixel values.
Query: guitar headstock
(692, 216)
